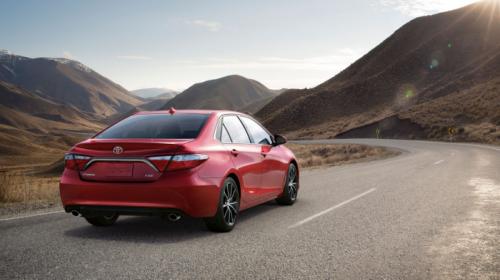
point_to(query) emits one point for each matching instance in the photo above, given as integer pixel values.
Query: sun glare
(427, 7)
(446, 5)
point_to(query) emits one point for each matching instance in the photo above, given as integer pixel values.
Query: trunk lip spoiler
(111, 159)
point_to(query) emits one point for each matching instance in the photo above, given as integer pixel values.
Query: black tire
(102, 221)
(227, 209)
(291, 188)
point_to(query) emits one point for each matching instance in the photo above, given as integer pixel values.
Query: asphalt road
(432, 212)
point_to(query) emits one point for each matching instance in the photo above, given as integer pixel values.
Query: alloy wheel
(230, 203)
(292, 182)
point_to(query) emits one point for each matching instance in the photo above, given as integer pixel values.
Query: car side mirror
(279, 140)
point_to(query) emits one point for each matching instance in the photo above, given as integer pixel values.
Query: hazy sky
(288, 43)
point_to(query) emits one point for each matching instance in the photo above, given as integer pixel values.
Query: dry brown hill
(66, 82)
(25, 110)
(231, 93)
(33, 129)
(48, 104)
(434, 73)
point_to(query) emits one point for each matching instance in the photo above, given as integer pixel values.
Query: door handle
(234, 152)
(264, 150)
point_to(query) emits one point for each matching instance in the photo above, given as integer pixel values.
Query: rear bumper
(89, 210)
(181, 191)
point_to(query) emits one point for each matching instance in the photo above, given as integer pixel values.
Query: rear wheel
(291, 188)
(102, 221)
(228, 208)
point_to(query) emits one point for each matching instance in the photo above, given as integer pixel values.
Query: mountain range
(34, 129)
(66, 82)
(437, 77)
(229, 93)
(49, 103)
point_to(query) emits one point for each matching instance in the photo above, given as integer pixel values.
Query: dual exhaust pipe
(173, 217)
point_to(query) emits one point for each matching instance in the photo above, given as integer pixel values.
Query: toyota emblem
(117, 150)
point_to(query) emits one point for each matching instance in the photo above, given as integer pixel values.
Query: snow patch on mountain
(74, 63)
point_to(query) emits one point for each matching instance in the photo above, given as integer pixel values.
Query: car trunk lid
(124, 160)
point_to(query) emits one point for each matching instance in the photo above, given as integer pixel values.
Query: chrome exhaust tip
(173, 217)
(75, 213)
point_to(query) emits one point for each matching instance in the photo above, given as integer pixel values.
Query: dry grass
(20, 188)
(316, 155)
(19, 191)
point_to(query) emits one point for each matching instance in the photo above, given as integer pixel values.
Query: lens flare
(409, 93)
(434, 63)
(406, 96)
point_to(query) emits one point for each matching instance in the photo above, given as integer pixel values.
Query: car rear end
(146, 164)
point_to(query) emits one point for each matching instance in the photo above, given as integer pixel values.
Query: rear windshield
(165, 126)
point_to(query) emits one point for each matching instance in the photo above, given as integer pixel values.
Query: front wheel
(291, 187)
(228, 208)
(102, 221)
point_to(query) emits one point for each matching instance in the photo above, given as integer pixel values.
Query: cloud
(68, 55)
(211, 26)
(417, 8)
(333, 62)
(134, 57)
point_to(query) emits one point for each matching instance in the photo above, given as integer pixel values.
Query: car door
(274, 167)
(246, 157)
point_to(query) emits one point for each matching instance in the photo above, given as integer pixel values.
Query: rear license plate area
(116, 169)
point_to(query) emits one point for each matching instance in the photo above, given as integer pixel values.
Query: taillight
(178, 162)
(160, 162)
(75, 162)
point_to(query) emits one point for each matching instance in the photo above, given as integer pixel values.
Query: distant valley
(155, 93)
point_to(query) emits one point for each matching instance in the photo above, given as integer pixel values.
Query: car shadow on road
(158, 230)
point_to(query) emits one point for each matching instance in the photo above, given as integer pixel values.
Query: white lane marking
(29, 216)
(438, 162)
(331, 209)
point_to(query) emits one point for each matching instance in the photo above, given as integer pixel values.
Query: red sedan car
(208, 164)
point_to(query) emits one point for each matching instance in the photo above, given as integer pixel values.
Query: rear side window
(235, 130)
(259, 135)
(157, 126)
